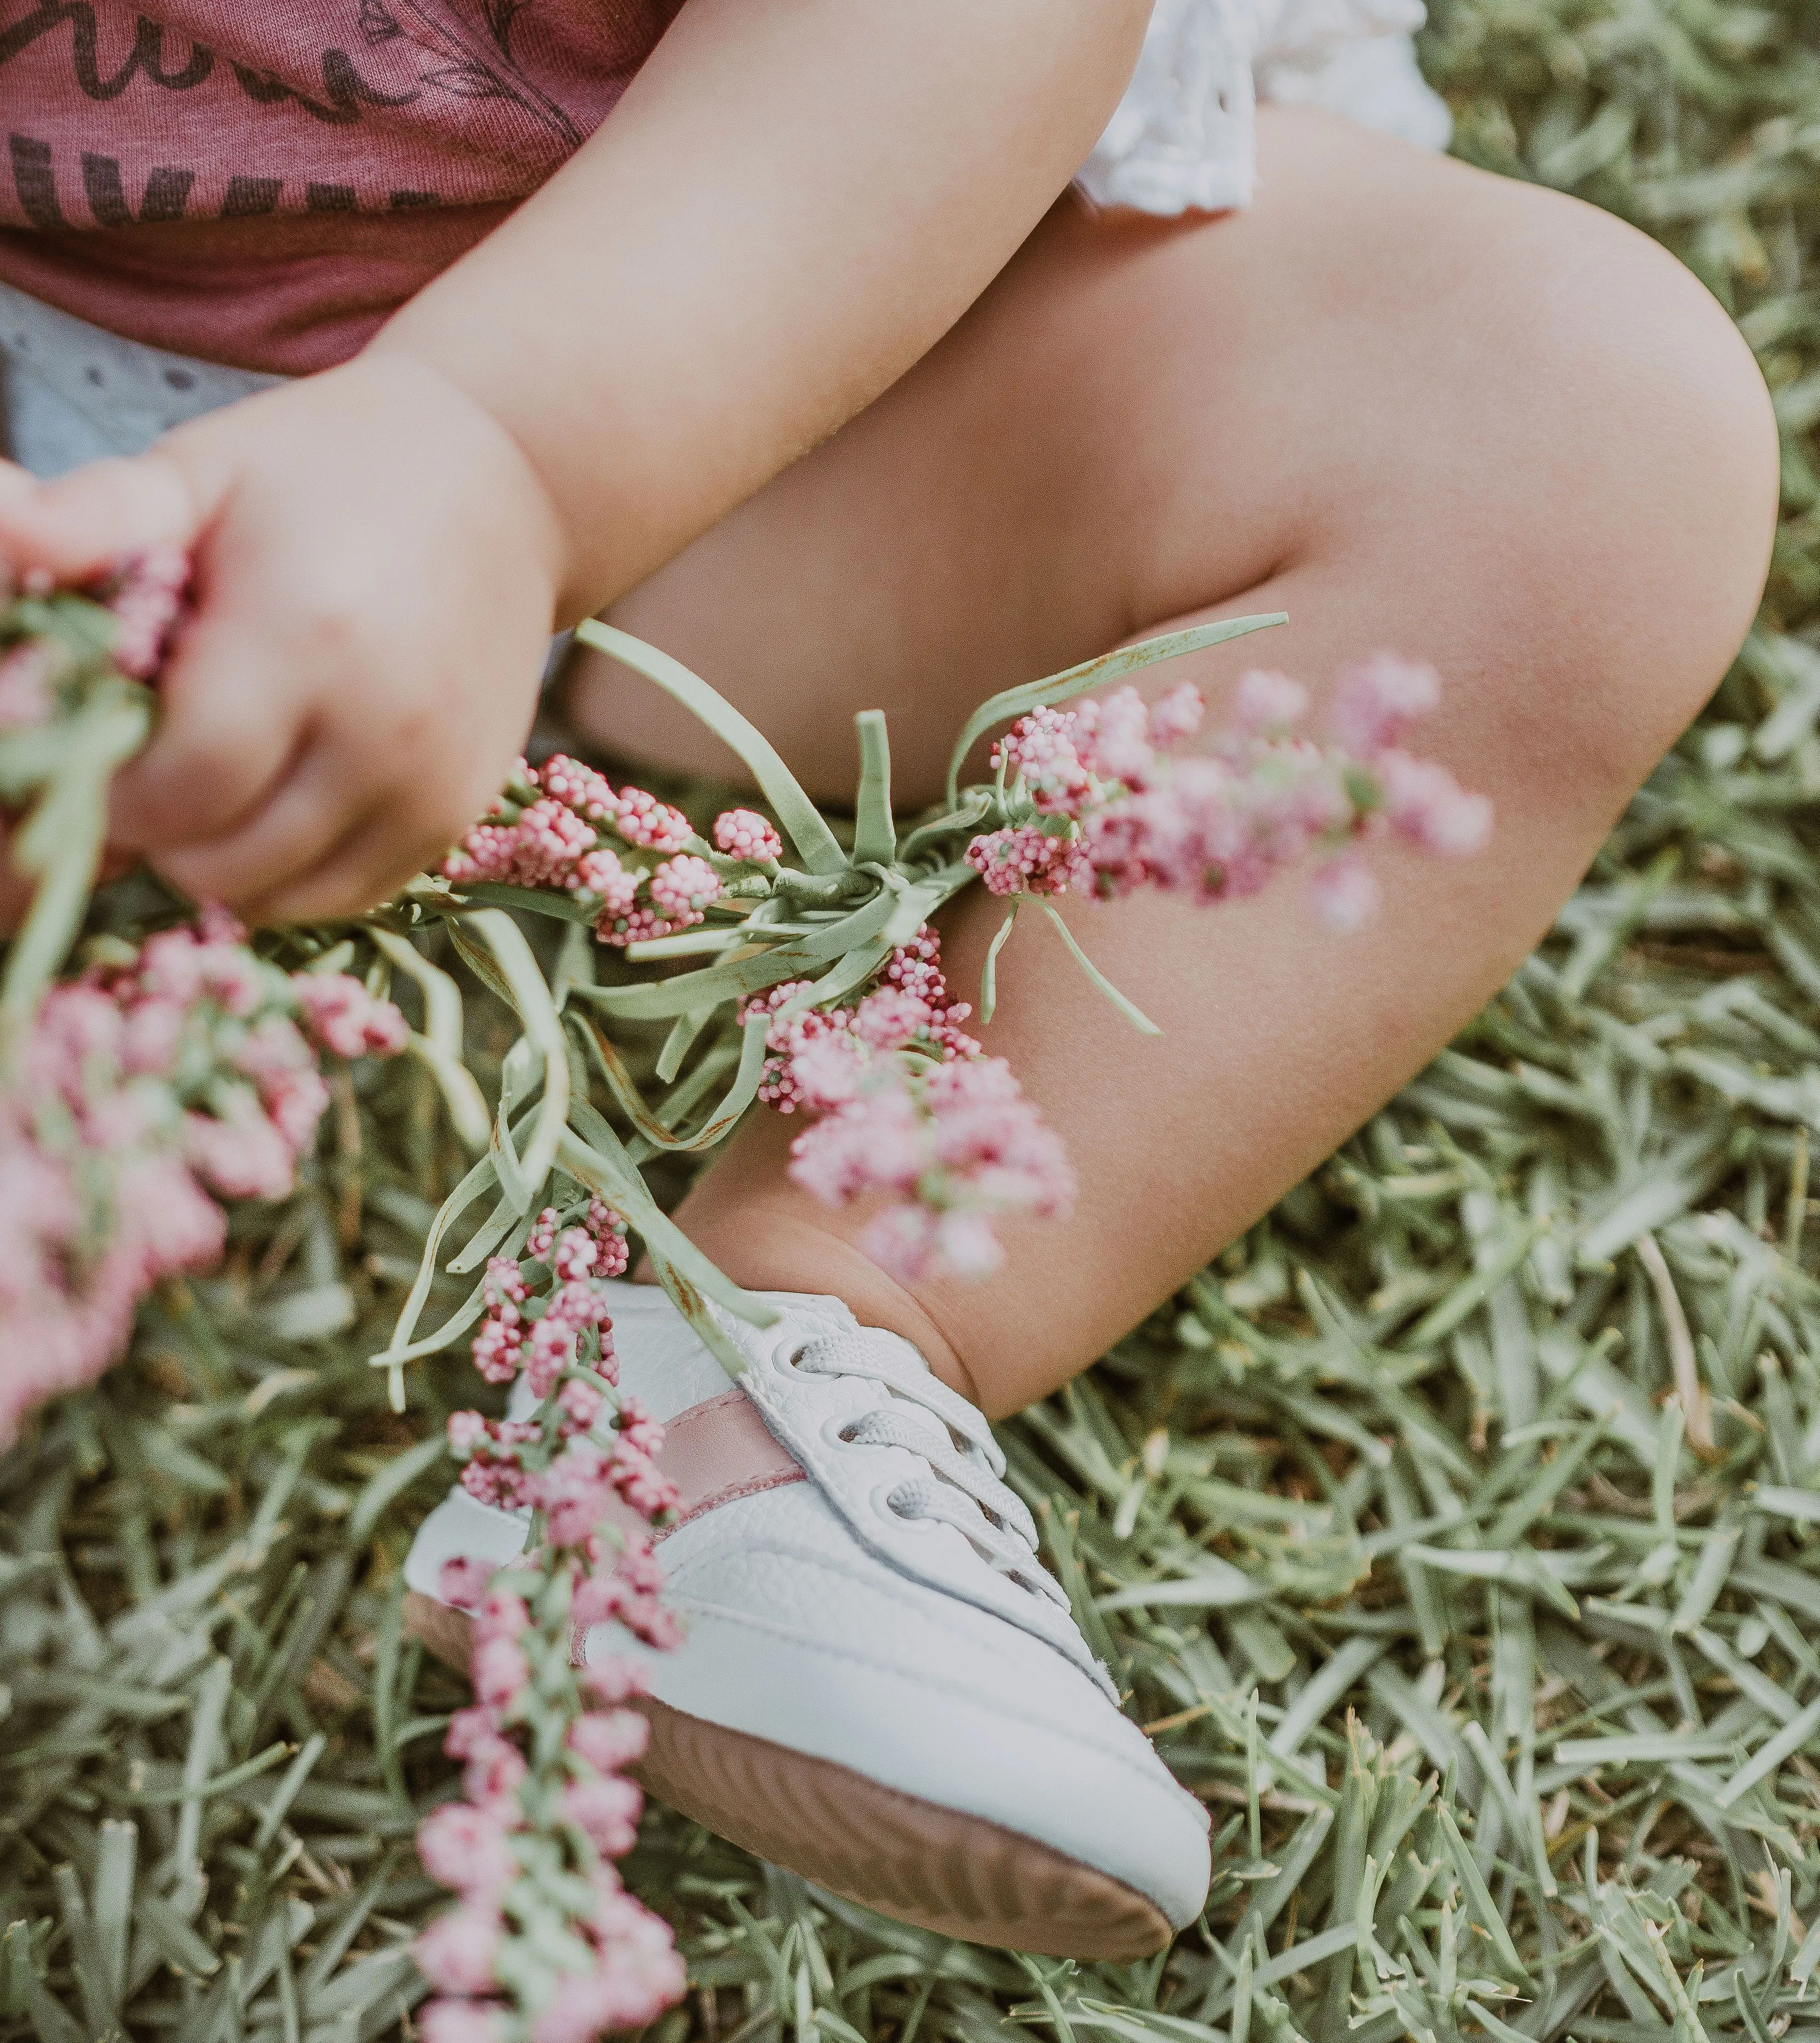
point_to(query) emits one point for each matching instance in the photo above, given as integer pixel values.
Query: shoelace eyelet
(884, 1502)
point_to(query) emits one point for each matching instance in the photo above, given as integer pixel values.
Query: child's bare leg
(1416, 407)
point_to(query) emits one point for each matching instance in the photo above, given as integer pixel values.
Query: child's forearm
(793, 201)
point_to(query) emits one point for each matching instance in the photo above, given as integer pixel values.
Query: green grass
(1498, 1666)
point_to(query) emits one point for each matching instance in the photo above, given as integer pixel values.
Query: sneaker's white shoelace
(965, 1488)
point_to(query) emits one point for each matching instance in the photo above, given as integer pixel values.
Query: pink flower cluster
(906, 1105)
(28, 671)
(488, 1851)
(813, 1055)
(345, 1019)
(1112, 806)
(145, 598)
(588, 1457)
(552, 838)
(742, 833)
(144, 1095)
(511, 1339)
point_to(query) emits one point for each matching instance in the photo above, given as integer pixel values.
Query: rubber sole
(906, 1857)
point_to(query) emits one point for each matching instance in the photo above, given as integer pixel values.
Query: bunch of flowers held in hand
(142, 1094)
(545, 1944)
(1103, 802)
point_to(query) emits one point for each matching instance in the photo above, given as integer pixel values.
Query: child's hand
(376, 566)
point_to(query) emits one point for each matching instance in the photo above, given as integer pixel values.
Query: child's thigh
(1485, 416)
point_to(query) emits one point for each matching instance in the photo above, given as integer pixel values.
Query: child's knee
(1640, 483)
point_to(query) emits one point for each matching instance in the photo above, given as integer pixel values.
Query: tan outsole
(959, 1875)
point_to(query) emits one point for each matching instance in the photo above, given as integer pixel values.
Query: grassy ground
(1457, 1532)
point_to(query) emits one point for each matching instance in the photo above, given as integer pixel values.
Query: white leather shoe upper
(889, 1614)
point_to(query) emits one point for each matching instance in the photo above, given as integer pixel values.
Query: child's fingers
(228, 735)
(297, 826)
(343, 830)
(370, 864)
(79, 525)
(393, 826)
(16, 483)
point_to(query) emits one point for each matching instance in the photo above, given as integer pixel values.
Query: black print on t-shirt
(469, 64)
(146, 58)
(344, 90)
(167, 190)
(465, 62)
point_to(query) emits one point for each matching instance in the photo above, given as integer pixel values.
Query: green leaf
(1011, 704)
(989, 971)
(392, 1481)
(1132, 1012)
(717, 985)
(601, 1164)
(400, 1349)
(721, 1120)
(1770, 1755)
(60, 843)
(801, 820)
(531, 998)
(874, 833)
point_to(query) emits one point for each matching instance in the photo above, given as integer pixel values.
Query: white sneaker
(882, 1687)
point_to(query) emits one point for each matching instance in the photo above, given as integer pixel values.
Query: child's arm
(793, 201)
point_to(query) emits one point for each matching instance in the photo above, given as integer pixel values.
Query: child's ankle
(777, 1253)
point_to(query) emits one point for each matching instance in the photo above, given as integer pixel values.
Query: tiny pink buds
(464, 1582)
(466, 1849)
(607, 1809)
(1425, 804)
(1376, 701)
(1121, 812)
(906, 1106)
(1176, 717)
(343, 1016)
(587, 1461)
(642, 819)
(1028, 861)
(742, 833)
(456, 1953)
(28, 675)
(1345, 893)
(610, 1739)
(1269, 704)
(460, 2020)
(499, 1671)
(548, 837)
(144, 1094)
(146, 601)
(682, 887)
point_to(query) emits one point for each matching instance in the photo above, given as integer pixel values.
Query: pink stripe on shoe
(714, 1452)
(721, 1451)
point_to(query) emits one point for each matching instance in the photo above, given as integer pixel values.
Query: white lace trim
(1182, 138)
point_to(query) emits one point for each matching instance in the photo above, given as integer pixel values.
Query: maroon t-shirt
(261, 181)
